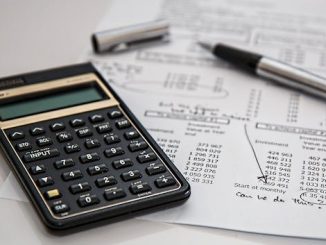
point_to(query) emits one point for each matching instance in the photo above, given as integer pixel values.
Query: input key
(40, 155)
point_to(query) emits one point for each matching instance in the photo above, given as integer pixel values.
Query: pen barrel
(292, 76)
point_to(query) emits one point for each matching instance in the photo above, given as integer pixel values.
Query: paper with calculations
(253, 152)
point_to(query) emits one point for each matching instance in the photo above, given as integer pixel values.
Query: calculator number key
(114, 194)
(105, 181)
(123, 163)
(80, 187)
(97, 169)
(85, 201)
(114, 152)
(131, 175)
(91, 157)
(75, 174)
(64, 163)
(111, 139)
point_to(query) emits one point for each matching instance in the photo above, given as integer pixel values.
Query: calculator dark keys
(24, 146)
(114, 194)
(57, 126)
(91, 163)
(44, 141)
(40, 155)
(37, 169)
(77, 122)
(164, 182)
(88, 201)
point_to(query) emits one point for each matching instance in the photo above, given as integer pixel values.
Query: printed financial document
(254, 152)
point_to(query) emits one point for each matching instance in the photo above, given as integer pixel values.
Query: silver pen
(277, 71)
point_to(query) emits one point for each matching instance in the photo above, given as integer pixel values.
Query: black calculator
(79, 152)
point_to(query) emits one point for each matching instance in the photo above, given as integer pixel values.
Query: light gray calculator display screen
(50, 101)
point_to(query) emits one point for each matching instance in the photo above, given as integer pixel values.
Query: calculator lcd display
(48, 102)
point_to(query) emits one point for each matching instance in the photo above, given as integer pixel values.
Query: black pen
(270, 68)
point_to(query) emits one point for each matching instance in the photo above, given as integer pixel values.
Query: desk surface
(35, 35)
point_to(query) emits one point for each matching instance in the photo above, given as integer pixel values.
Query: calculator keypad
(89, 161)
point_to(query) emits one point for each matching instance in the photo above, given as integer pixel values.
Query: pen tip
(206, 45)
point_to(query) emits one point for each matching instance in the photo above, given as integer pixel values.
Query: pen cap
(123, 38)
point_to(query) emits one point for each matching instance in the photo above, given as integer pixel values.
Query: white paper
(253, 152)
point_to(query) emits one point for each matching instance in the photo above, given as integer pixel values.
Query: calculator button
(123, 124)
(44, 141)
(115, 114)
(104, 128)
(155, 169)
(138, 146)
(90, 157)
(37, 169)
(92, 143)
(64, 137)
(123, 163)
(96, 118)
(114, 194)
(64, 163)
(70, 148)
(37, 131)
(165, 181)
(45, 181)
(44, 154)
(17, 135)
(76, 174)
(85, 132)
(80, 187)
(140, 188)
(97, 169)
(131, 175)
(57, 126)
(131, 135)
(147, 157)
(77, 122)
(60, 208)
(111, 139)
(114, 152)
(88, 200)
(52, 194)
(23, 146)
(105, 181)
